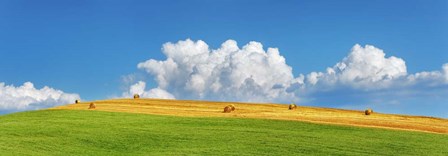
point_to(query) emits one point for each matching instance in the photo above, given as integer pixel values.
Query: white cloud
(432, 78)
(192, 70)
(364, 68)
(139, 88)
(26, 97)
(367, 77)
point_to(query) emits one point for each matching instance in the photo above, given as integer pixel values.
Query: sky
(386, 55)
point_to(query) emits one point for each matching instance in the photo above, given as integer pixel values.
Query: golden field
(267, 111)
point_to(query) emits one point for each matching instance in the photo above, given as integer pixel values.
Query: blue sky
(86, 47)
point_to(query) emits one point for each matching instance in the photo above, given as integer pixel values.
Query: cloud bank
(252, 73)
(26, 97)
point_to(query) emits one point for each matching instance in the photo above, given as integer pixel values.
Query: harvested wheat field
(267, 111)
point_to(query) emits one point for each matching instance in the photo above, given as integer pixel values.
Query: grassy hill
(63, 131)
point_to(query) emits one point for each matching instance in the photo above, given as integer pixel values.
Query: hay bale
(136, 96)
(368, 111)
(292, 106)
(92, 106)
(77, 101)
(232, 106)
(227, 109)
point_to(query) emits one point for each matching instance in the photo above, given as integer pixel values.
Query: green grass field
(62, 132)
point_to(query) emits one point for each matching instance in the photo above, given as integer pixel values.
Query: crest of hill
(267, 111)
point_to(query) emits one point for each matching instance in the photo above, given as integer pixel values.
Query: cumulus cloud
(432, 78)
(368, 69)
(369, 78)
(192, 70)
(27, 97)
(250, 73)
(364, 68)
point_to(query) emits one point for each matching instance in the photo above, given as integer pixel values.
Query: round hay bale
(77, 101)
(292, 106)
(92, 106)
(232, 106)
(136, 96)
(227, 109)
(368, 111)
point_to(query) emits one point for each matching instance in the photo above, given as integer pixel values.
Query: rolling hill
(176, 127)
(267, 111)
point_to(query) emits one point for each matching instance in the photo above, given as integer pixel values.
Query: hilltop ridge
(194, 108)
